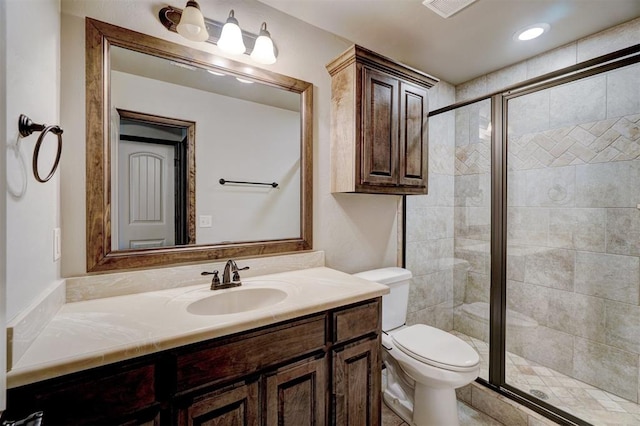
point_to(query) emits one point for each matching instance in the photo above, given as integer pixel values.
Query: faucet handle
(216, 278)
(236, 275)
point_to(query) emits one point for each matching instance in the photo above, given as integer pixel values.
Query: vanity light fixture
(531, 32)
(228, 36)
(191, 25)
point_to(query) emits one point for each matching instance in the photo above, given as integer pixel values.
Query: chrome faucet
(230, 276)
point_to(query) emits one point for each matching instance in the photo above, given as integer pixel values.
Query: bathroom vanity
(300, 361)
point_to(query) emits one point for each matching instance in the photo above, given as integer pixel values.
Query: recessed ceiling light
(244, 80)
(215, 73)
(531, 32)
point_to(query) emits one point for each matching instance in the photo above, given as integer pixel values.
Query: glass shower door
(573, 245)
(472, 227)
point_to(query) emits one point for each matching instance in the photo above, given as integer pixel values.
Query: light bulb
(263, 51)
(231, 37)
(191, 25)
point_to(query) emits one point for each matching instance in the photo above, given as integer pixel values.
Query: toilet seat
(436, 347)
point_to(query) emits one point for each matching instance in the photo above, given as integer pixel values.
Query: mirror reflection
(247, 132)
(163, 113)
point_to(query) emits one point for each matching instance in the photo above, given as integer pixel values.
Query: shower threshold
(568, 394)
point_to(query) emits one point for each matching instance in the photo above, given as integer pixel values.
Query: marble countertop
(93, 333)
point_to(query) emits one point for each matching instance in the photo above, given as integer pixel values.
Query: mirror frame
(99, 37)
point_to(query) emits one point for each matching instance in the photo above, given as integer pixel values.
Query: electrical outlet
(57, 244)
(205, 221)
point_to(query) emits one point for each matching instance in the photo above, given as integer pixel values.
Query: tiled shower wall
(429, 222)
(473, 220)
(448, 230)
(574, 227)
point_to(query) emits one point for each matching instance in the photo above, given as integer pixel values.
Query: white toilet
(424, 364)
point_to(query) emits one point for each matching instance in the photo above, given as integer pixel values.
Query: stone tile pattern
(430, 224)
(596, 142)
(478, 415)
(573, 228)
(467, 415)
(569, 394)
(472, 216)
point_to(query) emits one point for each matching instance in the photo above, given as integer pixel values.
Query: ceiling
(473, 42)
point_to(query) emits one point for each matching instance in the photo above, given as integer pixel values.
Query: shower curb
(499, 407)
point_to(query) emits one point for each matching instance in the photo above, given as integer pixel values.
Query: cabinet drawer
(356, 321)
(112, 397)
(236, 357)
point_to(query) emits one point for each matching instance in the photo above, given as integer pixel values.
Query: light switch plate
(205, 221)
(57, 244)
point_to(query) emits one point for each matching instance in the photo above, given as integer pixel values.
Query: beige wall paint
(32, 208)
(356, 231)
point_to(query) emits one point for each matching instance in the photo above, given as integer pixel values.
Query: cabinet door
(296, 395)
(413, 136)
(357, 384)
(379, 154)
(236, 405)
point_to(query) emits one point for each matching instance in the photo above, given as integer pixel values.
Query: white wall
(356, 231)
(3, 222)
(235, 140)
(32, 208)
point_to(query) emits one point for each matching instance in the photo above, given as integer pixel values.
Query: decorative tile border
(597, 142)
(614, 139)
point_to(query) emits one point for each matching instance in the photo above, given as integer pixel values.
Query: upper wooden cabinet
(378, 124)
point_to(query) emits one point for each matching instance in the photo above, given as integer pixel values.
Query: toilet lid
(436, 347)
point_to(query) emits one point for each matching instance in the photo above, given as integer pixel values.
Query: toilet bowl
(424, 365)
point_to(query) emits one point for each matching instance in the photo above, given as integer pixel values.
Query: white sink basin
(237, 301)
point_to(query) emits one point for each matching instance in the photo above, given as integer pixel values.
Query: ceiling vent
(447, 8)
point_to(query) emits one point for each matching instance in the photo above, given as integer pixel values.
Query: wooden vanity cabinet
(238, 404)
(120, 394)
(379, 133)
(317, 370)
(356, 363)
(298, 394)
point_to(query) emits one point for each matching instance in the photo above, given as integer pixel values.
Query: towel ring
(26, 127)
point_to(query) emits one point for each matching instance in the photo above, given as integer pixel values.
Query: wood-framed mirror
(221, 221)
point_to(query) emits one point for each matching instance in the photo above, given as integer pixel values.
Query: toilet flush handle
(383, 343)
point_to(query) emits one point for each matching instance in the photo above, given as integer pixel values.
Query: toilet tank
(394, 304)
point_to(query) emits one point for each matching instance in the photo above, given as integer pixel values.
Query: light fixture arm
(170, 17)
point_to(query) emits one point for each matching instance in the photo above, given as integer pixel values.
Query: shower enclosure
(528, 244)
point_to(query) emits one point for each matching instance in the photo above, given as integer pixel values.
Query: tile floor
(573, 396)
(467, 415)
